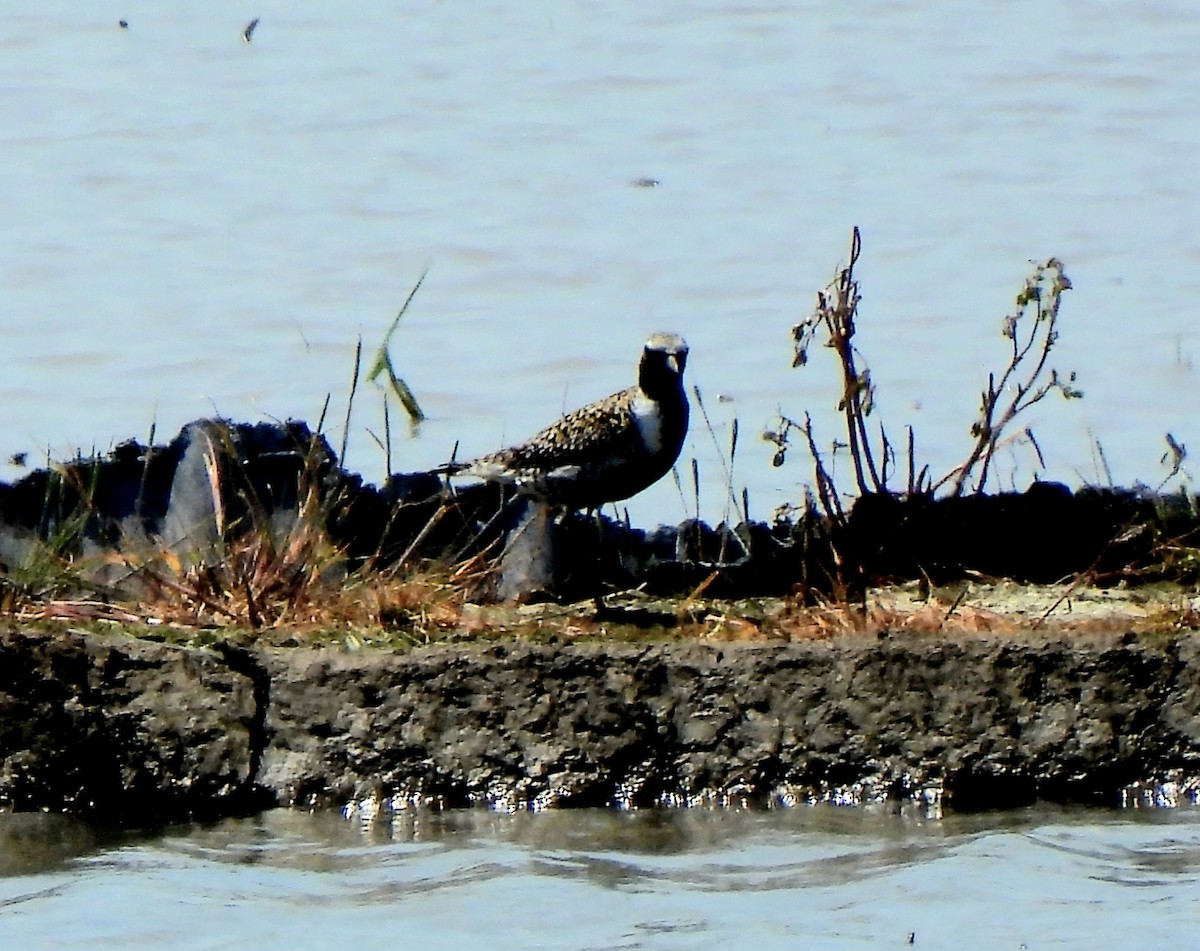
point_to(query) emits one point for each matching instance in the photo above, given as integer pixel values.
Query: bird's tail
(453, 467)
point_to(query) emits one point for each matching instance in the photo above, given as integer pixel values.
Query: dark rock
(525, 568)
(194, 523)
(217, 481)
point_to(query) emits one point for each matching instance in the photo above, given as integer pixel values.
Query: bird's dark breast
(628, 468)
(598, 454)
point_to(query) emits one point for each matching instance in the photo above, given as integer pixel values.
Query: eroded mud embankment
(124, 728)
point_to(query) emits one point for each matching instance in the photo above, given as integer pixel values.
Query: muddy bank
(123, 728)
(218, 484)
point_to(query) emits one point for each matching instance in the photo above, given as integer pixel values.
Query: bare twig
(1032, 331)
(835, 313)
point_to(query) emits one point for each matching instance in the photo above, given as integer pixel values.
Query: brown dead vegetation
(294, 582)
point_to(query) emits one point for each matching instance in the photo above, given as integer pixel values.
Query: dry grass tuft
(831, 620)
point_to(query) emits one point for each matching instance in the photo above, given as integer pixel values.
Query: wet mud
(116, 727)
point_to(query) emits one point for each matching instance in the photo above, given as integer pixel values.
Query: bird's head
(663, 360)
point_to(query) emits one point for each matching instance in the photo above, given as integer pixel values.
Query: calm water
(195, 224)
(813, 877)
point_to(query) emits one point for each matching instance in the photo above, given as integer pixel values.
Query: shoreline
(116, 727)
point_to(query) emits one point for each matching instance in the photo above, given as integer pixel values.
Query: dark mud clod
(218, 481)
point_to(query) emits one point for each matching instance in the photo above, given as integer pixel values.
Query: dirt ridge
(114, 726)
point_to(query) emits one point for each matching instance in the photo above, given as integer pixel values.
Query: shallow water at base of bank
(817, 876)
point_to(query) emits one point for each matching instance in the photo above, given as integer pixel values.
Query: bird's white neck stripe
(648, 416)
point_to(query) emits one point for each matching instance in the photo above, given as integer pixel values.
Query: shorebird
(607, 450)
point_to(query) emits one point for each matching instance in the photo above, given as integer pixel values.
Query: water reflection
(811, 876)
(38, 842)
(1131, 862)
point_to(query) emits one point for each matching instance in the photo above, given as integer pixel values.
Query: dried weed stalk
(1031, 330)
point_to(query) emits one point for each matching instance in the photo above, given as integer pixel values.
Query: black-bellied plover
(607, 450)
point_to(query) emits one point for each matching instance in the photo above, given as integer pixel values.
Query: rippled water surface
(196, 224)
(823, 876)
